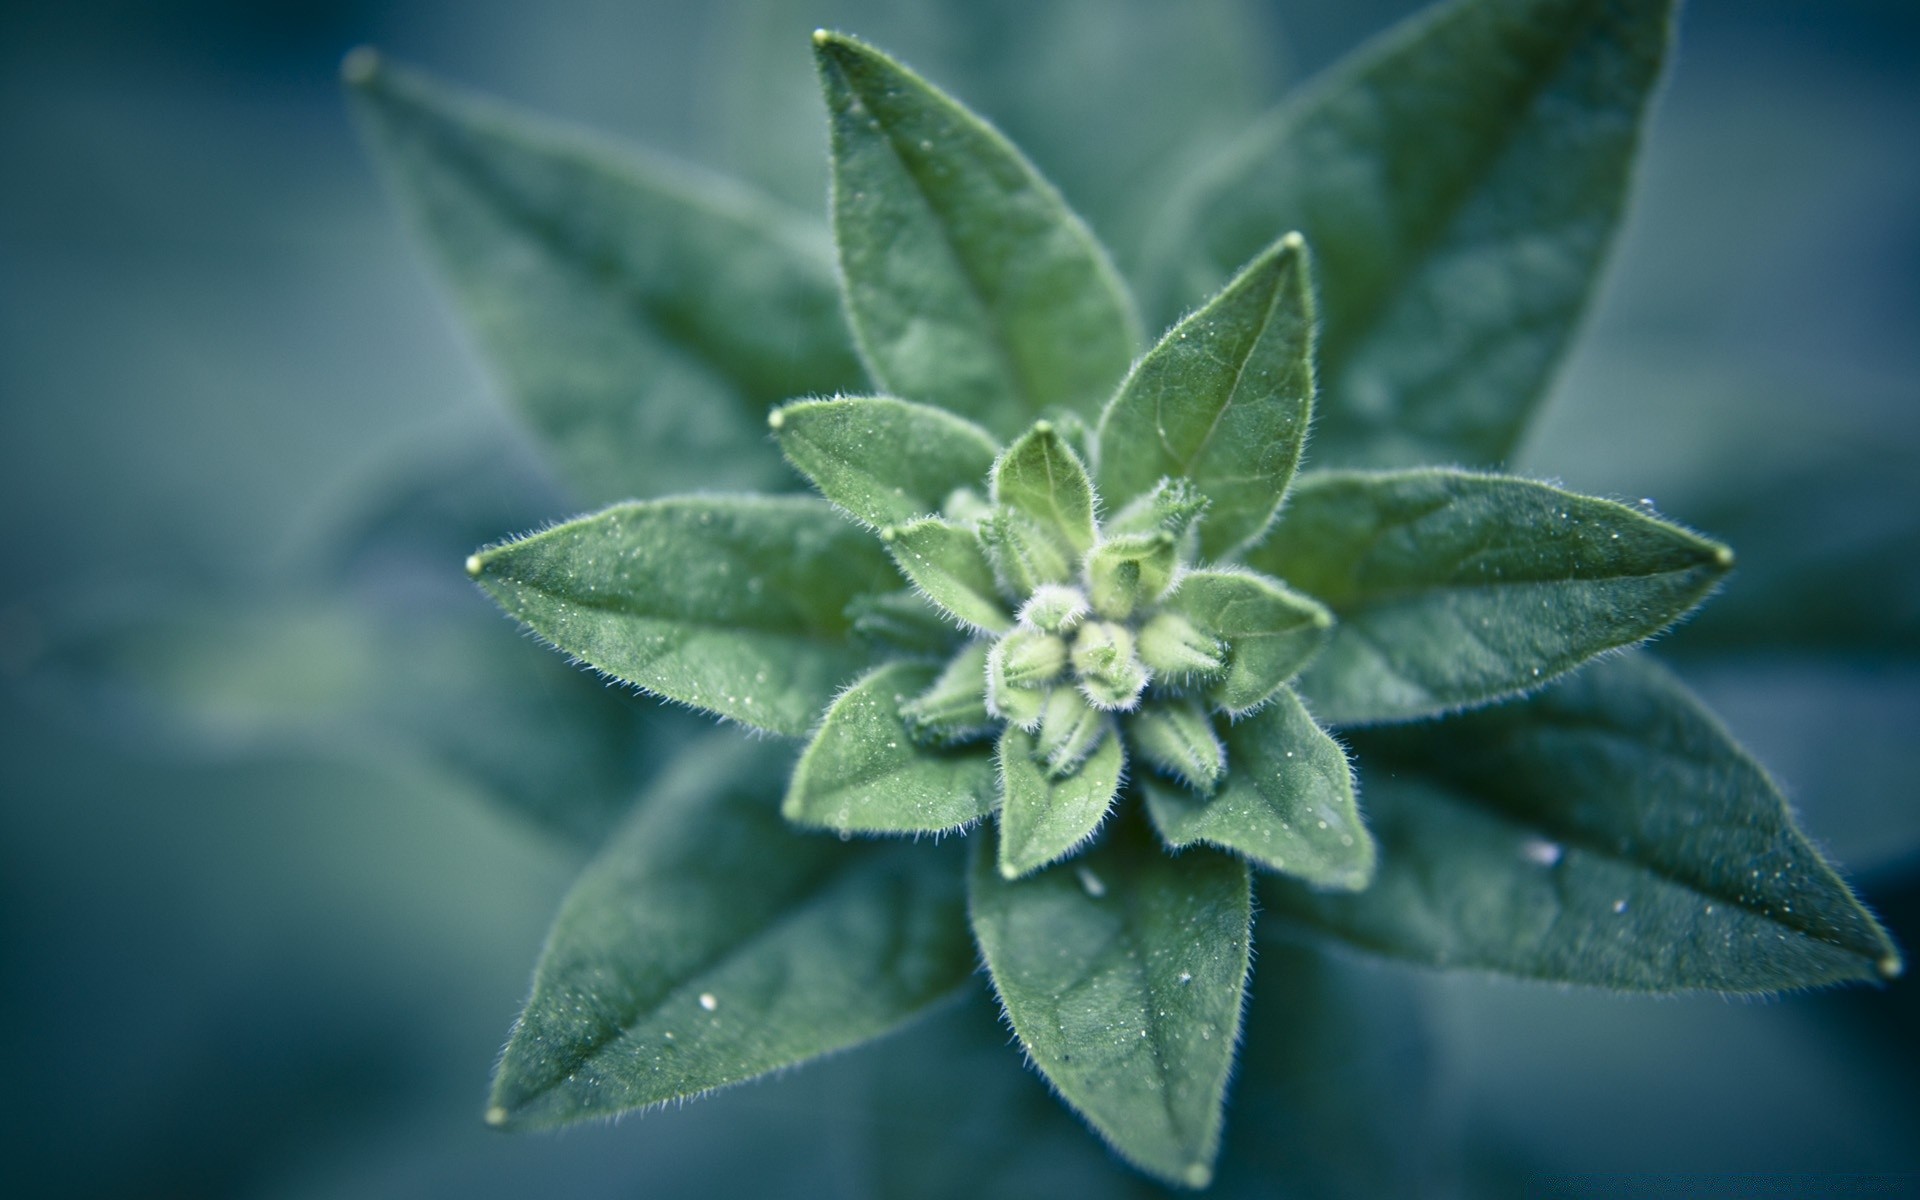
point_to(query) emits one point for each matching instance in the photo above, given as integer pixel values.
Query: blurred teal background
(255, 941)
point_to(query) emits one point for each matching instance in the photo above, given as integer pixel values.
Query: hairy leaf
(732, 604)
(1040, 477)
(949, 566)
(1043, 818)
(1453, 589)
(1122, 973)
(884, 461)
(864, 772)
(642, 317)
(1460, 182)
(1271, 632)
(708, 944)
(1286, 804)
(1223, 400)
(969, 282)
(1607, 831)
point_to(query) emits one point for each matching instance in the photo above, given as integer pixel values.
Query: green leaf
(1287, 801)
(969, 283)
(1041, 477)
(1453, 589)
(642, 317)
(1223, 400)
(946, 562)
(1122, 974)
(1271, 632)
(1607, 831)
(864, 772)
(884, 461)
(708, 944)
(1460, 182)
(1043, 818)
(732, 604)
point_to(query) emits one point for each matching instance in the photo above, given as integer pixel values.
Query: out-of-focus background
(255, 940)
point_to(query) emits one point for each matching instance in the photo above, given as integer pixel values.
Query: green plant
(1078, 598)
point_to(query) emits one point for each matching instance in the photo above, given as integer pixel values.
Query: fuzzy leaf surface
(642, 317)
(708, 944)
(1460, 181)
(1040, 477)
(732, 604)
(1607, 831)
(1042, 818)
(885, 461)
(1273, 632)
(1286, 803)
(1453, 589)
(969, 282)
(865, 773)
(946, 562)
(1122, 973)
(1223, 400)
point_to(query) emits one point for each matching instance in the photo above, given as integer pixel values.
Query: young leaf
(1287, 802)
(1122, 974)
(1271, 632)
(884, 461)
(1040, 477)
(707, 944)
(642, 317)
(1460, 182)
(732, 604)
(1607, 831)
(1043, 818)
(946, 562)
(1453, 589)
(969, 283)
(1223, 400)
(864, 772)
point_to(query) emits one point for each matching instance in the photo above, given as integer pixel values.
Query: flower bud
(1178, 738)
(1054, 607)
(1070, 729)
(1125, 574)
(1111, 675)
(1173, 649)
(954, 709)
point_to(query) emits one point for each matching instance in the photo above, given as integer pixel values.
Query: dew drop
(708, 1002)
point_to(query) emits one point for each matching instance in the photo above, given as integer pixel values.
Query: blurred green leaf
(968, 281)
(709, 944)
(864, 772)
(1286, 804)
(1223, 400)
(1460, 181)
(884, 461)
(1452, 589)
(1607, 831)
(642, 317)
(732, 604)
(1123, 974)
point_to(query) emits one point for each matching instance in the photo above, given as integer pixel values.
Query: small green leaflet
(642, 317)
(708, 944)
(1042, 818)
(1272, 631)
(732, 604)
(1452, 589)
(969, 283)
(1122, 973)
(1040, 477)
(1223, 400)
(946, 562)
(1460, 182)
(864, 772)
(1607, 831)
(1287, 802)
(884, 461)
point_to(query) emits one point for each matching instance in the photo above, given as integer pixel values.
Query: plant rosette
(1074, 596)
